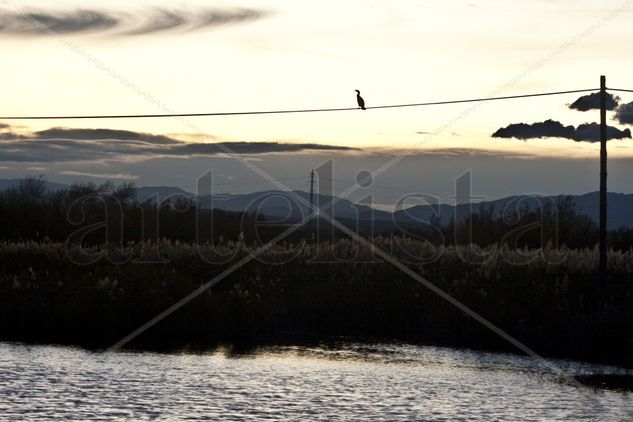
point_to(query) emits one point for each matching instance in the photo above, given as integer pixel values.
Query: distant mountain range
(282, 205)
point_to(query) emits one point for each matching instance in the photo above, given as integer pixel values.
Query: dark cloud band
(66, 145)
(587, 132)
(97, 134)
(148, 21)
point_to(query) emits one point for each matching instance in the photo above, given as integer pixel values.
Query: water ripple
(346, 382)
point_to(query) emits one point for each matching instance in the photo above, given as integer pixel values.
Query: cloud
(98, 134)
(591, 132)
(147, 21)
(163, 20)
(592, 102)
(624, 114)
(587, 132)
(110, 176)
(60, 22)
(66, 145)
(546, 129)
(251, 148)
(446, 152)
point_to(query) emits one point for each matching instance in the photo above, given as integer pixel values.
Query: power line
(313, 110)
(248, 182)
(620, 90)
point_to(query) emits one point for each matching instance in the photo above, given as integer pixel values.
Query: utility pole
(603, 180)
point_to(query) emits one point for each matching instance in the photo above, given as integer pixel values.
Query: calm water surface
(349, 382)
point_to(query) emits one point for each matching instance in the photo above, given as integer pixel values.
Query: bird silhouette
(359, 100)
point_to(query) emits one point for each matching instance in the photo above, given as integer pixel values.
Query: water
(349, 382)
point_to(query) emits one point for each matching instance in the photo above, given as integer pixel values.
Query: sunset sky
(114, 57)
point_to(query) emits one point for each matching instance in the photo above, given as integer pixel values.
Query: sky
(118, 57)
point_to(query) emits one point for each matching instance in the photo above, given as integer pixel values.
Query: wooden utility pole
(603, 180)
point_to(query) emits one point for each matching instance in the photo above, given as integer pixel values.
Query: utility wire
(247, 182)
(620, 90)
(313, 110)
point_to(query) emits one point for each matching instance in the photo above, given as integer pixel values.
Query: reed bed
(550, 299)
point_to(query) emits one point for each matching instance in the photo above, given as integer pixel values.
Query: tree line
(90, 213)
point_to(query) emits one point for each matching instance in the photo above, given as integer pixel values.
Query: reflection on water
(349, 381)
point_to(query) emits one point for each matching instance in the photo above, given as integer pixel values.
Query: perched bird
(359, 100)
